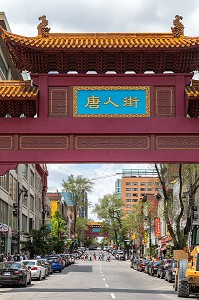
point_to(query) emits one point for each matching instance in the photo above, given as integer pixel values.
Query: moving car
(12, 272)
(37, 270)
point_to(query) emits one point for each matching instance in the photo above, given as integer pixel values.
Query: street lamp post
(20, 192)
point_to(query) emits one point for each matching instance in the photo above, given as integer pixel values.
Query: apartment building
(134, 185)
(21, 190)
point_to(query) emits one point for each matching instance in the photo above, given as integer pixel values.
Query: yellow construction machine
(187, 272)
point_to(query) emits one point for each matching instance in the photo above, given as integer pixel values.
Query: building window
(142, 183)
(25, 171)
(134, 189)
(128, 205)
(149, 189)
(128, 211)
(3, 212)
(134, 183)
(3, 68)
(134, 195)
(24, 199)
(32, 178)
(135, 200)
(4, 182)
(128, 189)
(24, 223)
(150, 183)
(142, 195)
(128, 200)
(128, 183)
(143, 189)
(128, 195)
(32, 202)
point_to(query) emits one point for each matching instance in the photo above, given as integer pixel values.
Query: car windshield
(10, 265)
(30, 263)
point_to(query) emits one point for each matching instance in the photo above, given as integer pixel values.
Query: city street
(94, 280)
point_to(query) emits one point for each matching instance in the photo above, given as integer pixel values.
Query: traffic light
(194, 214)
(15, 209)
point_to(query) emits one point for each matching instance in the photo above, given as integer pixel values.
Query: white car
(37, 270)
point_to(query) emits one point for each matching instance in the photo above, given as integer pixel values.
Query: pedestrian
(94, 255)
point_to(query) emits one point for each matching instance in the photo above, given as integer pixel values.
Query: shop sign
(4, 228)
(157, 227)
(111, 101)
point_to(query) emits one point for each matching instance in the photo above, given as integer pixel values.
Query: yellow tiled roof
(192, 91)
(17, 89)
(102, 40)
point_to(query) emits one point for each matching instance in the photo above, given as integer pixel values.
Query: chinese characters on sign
(109, 101)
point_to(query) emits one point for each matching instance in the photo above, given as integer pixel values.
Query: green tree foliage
(59, 227)
(109, 209)
(177, 209)
(37, 242)
(77, 187)
(81, 228)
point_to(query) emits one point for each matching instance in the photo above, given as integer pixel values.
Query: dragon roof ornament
(43, 30)
(178, 28)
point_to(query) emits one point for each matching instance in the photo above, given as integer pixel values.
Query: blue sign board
(111, 101)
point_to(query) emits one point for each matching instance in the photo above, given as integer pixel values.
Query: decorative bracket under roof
(178, 28)
(43, 30)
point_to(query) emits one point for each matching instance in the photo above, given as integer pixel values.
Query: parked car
(162, 268)
(58, 258)
(153, 268)
(56, 263)
(37, 270)
(170, 272)
(12, 272)
(47, 265)
(65, 259)
(147, 265)
(141, 264)
(134, 263)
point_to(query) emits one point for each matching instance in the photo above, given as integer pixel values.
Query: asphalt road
(95, 280)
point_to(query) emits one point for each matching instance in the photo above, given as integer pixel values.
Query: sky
(98, 16)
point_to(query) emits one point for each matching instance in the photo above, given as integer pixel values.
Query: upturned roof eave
(153, 41)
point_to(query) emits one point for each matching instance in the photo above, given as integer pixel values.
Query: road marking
(106, 285)
(113, 296)
(102, 275)
(104, 279)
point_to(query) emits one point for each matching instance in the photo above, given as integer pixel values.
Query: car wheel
(60, 271)
(170, 279)
(25, 282)
(161, 275)
(39, 278)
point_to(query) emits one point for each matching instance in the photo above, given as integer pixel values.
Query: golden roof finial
(43, 30)
(178, 28)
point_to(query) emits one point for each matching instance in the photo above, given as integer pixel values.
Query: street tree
(77, 188)
(109, 210)
(37, 242)
(81, 228)
(177, 209)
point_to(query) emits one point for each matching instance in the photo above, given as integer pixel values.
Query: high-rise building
(134, 185)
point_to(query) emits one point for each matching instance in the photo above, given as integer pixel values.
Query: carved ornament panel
(43, 142)
(58, 102)
(178, 142)
(112, 142)
(6, 142)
